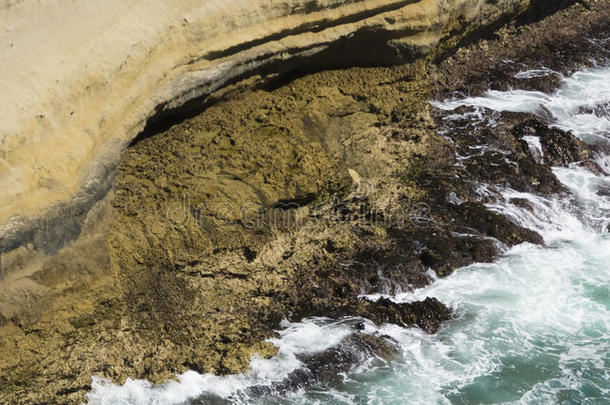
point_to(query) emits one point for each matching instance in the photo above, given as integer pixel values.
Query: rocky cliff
(80, 81)
(180, 176)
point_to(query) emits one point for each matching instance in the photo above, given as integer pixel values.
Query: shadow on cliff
(368, 47)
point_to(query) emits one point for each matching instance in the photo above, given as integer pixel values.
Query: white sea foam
(572, 107)
(535, 326)
(310, 336)
(535, 73)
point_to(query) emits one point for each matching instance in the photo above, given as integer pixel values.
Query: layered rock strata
(80, 81)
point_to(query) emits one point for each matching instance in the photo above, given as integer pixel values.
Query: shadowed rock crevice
(311, 27)
(375, 45)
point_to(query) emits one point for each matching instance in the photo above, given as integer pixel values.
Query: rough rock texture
(562, 44)
(80, 80)
(283, 200)
(558, 147)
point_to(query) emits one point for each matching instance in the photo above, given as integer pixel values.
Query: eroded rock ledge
(80, 81)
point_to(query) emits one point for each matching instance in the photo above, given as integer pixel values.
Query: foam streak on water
(532, 328)
(581, 104)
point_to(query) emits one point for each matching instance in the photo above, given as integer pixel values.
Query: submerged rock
(427, 314)
(495, 225)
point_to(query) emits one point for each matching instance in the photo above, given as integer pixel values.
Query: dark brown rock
(497, 226)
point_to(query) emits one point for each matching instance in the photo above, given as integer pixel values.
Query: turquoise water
(532, 328)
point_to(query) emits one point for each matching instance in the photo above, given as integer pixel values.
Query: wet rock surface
(292, 202)
(329, 366)
(559, 148)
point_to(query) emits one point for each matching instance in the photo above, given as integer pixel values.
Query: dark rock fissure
(314, 27)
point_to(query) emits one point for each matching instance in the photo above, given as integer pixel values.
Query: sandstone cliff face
(80, 80)
(140, 295)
